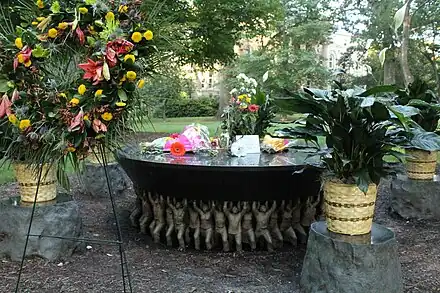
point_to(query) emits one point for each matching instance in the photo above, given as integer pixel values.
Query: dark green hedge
(201, 107)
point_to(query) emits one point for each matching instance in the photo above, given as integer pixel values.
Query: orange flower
(178, 149)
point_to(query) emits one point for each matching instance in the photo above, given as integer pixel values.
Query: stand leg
(123, 257)
(40, 173)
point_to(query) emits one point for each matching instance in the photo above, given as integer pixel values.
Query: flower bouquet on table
(249, 112)
(194, 138)
(49, 119)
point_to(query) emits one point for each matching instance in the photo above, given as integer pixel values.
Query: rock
(337, 263)
(61, 218)
(415, 199)
(95, 184)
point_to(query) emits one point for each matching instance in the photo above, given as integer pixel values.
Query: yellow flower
(28, 63)
(35, 23)
(20, 58)
(83, 10)
(242, 97)
(131, 75)
(123, 9)
(40, 4)
(148, 35)
(24, 124)
(110, 16)
(18, 43)
(136, 37)
(129, 56)
(141, 83)
(107, 116)
(86, 118)
(63, 95)
(13, 119)
(248, 100)
(98, 93)
(52, 33)
(41, 18)
(71, 149)
(121, 104)
(74, 102)
(82, 89)
(63, 25)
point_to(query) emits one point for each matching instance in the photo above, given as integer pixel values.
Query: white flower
(242, 76)
(233, 91)
(238, 150)
(253, 82)
(253, 91)
(265, 76)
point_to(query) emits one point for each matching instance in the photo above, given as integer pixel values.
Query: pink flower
(5, 106)
(23, 57)
(253, 108)
(93, 70)
(174, 135)
(120, 46)
(110, 55)
(78, 121)
(98, 126)
(80, 35)
(15, 96)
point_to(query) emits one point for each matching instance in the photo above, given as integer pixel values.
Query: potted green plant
(358, 131)
(421, 161)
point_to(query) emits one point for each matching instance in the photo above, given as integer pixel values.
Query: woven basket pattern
(27, 183)
(347, 209)
(421, 165)
(95, 157)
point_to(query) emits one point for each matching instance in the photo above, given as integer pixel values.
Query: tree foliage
(291, 54)
(204, 32)
(373, 21)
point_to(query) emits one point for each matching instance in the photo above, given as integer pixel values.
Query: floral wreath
(111, 41)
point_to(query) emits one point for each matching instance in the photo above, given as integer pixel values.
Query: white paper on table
(251, 143)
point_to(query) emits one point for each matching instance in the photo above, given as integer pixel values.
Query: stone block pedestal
(415, 199)
(337, 263)
(60, 217)
(95, 183)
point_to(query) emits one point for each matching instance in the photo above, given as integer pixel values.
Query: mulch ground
(159, 269)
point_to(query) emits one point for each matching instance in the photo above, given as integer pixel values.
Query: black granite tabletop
(221, 159)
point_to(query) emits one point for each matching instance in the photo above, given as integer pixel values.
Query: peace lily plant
(358, 131)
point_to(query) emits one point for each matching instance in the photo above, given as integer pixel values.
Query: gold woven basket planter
(347, 209)
(421, 165)
(28, 182)
(95, 157)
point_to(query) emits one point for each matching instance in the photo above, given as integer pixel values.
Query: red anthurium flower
(98, 126)
(80, 35)
(77, 123)
(5, 106)
(110, 55)
(120, 46)
(174, 135)
(93, 71)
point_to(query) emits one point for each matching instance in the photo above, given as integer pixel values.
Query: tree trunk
(389, 71)
(405, 45)
(223, 98)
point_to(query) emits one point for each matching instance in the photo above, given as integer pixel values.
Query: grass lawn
(6, 174)
(176, 125)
